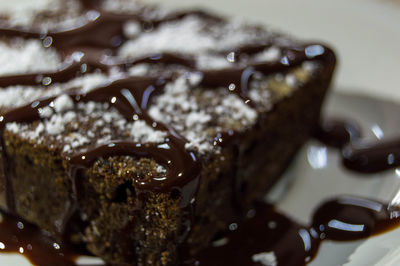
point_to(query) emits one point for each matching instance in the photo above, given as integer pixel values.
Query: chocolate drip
(168, 154)
(372, 157)
(337, 133)
(18, 236)
(341, 219)
(359, 155)
(351, 218)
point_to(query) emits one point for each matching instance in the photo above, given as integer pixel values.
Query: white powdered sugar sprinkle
(291, 80)
(13, 127)
(132, 29)
(265, 258)
(269, 55)
(13, 96)
(62, 123)
(139, 70)
(182, 36)
(144, 133)
(46, 112)
(19, 57)
(212, 62)
(88, 82)
(161, 169)
(199, 114)
(191, 35)
(121, 6)
(232, 107)
(43, 14)
(265, 89)
(57, 122)
(63, 103)
(23, 14)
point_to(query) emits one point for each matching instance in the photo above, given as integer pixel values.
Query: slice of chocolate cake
(141, 132)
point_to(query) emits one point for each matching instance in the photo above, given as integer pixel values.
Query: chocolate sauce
(267, 230)
(357, 154)
(366, 157)
(18, 236)
(337, 132)
(264, 230)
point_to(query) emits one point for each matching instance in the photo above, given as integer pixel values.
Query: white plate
(317, 174)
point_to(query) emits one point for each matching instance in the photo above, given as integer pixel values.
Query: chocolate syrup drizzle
(357, 154)
(343, 218)
(100, 32)
(18, 236)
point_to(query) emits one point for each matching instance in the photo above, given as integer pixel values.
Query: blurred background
(364, 33)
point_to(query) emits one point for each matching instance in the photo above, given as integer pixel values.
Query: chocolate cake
(141, 132)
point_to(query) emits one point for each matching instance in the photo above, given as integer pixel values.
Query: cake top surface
(84, 77)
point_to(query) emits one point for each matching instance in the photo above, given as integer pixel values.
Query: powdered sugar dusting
(232, 107)
(268, 55)
(139, 70)
(148, 12)
(88, 82)
(144, 133)
(181, 36)
(192, 35)
(14, 96)
(18, 95)
(265, 258)
(13, 127)
(122, 6)
(132, 29)
(56, 124)
(46, 13)
(75, 126)
(63, 103)
(46, 112)
(210, 62)
(200, 114)
(19, 56)
(268, 89)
